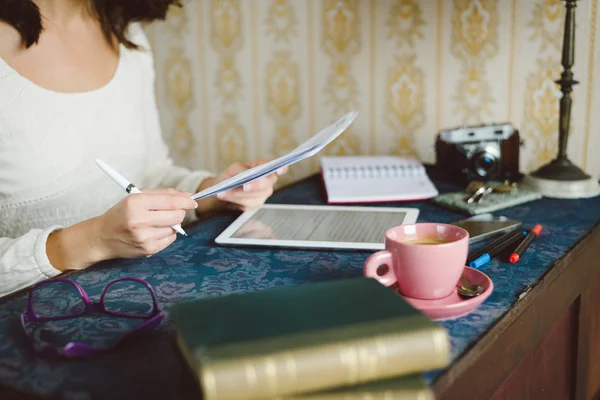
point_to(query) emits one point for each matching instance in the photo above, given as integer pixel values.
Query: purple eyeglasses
(113, 302)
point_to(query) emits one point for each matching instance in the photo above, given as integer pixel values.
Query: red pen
(516, 255)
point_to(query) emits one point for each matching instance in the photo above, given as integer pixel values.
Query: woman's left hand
(251, 195)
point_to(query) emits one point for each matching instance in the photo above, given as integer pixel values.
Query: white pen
(128, 186)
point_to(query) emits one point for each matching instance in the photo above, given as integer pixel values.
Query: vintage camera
(482, 152)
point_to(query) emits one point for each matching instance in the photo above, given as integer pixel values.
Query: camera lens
(485, 163)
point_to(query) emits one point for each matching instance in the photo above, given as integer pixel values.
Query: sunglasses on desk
(63, 299)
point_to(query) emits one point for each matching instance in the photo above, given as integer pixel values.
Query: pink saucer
(453, 305)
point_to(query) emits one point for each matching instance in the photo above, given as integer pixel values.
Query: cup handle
(373, 263)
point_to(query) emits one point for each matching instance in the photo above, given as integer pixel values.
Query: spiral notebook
(367, 179)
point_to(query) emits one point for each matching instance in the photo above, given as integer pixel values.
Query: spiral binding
(375, 171)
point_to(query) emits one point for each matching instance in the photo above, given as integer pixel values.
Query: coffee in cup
(426, 241)
(424, 259)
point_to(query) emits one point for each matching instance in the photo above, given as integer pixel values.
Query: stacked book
(349, 338)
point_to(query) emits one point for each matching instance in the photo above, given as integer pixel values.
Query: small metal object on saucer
(468, 289)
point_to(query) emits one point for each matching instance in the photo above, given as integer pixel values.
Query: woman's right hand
(138, 225)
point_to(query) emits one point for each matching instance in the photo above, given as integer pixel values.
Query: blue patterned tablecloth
(150, 367)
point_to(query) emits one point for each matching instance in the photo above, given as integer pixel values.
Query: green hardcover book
(309, 337)
(410, 387)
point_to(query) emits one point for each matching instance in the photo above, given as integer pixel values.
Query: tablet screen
(316, 226)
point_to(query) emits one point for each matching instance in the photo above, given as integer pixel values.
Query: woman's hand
(138, 225)
(251, 195)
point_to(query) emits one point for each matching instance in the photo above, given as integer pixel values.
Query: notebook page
(365, 162)
(375, 178)
(380, 189)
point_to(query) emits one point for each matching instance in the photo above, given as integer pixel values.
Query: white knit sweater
(48, 143)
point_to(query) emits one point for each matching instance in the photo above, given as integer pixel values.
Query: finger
(258, 162)
(162, 232)
(282, 170)
(151, 234)
(235, 169)
(238, 167)
(260, 184)
(236, 196)
(166, 241)
(161, 218)
(167, 202)
(172, 191)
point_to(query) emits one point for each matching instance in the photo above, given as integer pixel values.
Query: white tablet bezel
(225, 238)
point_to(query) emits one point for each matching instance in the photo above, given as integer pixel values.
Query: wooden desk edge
(483, 367)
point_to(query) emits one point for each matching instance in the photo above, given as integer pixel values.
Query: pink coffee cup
(425, 259)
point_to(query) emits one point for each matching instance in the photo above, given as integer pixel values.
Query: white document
(306, 149)
(307, 226)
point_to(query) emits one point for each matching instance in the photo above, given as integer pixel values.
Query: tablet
(309, 226)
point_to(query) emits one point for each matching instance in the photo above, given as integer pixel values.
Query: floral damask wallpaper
(238, 80)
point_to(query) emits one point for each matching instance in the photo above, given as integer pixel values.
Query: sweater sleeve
(23, 260)
(161, 170)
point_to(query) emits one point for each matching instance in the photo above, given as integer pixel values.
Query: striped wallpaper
(239, 80)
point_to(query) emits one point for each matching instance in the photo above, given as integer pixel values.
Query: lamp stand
(561, 178)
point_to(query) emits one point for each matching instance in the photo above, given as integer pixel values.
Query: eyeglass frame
(78, 349)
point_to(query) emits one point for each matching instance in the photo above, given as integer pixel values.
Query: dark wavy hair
(114, 16)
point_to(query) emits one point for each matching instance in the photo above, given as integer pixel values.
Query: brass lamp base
(562, 179)
(561, 169)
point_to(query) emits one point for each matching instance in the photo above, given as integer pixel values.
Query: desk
(552, 331)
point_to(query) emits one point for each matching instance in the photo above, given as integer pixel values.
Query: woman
(76, 84)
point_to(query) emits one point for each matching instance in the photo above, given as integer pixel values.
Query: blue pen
(497, 249)
(481, 260)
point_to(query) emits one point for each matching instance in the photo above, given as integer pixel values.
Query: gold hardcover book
(410, 387)
(305, 338)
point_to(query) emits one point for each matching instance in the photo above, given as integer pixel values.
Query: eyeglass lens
(129, 298)
(57, 299)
